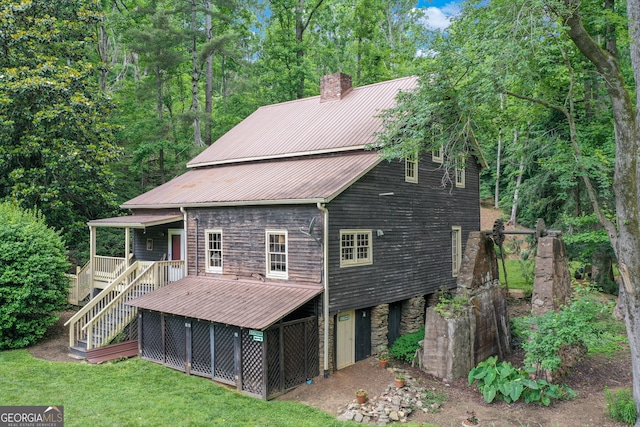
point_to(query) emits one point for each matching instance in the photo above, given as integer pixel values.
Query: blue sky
(439, 12)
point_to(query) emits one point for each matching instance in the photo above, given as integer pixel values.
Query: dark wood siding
(413, 257)
(160, 237)
(243, 239)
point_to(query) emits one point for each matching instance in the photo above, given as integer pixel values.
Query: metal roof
(135, 221)
(243, 303)
(298, 180)
(307, 126)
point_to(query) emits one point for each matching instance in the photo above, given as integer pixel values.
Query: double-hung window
(277, 254)
(214, 251)
(460, 175)
(355, 248)
(411, 170)
(437, 155)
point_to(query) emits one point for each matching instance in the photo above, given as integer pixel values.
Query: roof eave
(230, 203)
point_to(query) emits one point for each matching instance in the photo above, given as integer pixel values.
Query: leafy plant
(33, 287)
(432, 401)
(504, 381)
(450, 306)
(580, 323)
(361, 392)
(621, 406)
(404, 348)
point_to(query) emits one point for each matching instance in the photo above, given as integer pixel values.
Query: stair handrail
(152, 270)
(98, 299)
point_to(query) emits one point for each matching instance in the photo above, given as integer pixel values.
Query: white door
(345, 343)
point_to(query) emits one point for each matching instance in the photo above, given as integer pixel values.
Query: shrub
(621, 406)
(579, 323)
(404, 348)
(33, 287)
(450, 306)
(504, 381)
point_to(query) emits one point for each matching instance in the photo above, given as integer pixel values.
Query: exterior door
(363, 334)
(175, 253)
(395, 317)
(345, 345)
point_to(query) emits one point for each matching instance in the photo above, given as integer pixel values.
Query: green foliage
(586, 321)
(432, 401)
(621, 406)
(57, 144)
(404, 348)
(450, 306)
(501, 380)
(33, 287)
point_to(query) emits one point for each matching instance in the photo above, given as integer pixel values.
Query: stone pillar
(448, 345)
(379, 328)
(412, 315)
(552, 282)
(479, 263)
(321, 344)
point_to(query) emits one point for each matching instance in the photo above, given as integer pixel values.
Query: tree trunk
(195, 79)
(496, 197)
(626, 239)
(514, 207)
(209, 84)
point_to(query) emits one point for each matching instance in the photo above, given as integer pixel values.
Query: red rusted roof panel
(306, 179)
(307, 125)
(243, 303)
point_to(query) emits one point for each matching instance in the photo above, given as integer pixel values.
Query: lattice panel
(251, 364)
(152, 337)
(274, 383)
(313, 356)
(175, 342)
(294, 352)
(200, 348)
(224, 368)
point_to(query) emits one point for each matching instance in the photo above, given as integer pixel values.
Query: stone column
(412, 315)
(552, 282)
(379, 328)
(321, 346)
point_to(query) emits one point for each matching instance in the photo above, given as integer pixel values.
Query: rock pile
(392, 405)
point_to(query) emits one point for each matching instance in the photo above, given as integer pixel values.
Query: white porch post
(92, 256)
(126, 245)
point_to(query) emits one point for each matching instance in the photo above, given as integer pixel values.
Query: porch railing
(107, 268)
(116, 315)
(80, 285)
(106, 314)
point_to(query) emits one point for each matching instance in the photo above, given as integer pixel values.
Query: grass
(141, 393)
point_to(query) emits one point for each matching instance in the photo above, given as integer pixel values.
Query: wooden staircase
(105, 316)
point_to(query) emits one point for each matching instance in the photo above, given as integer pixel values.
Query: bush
(580, 323)
(33, 287)
(404, 348)
(621, 406)
(503, 381)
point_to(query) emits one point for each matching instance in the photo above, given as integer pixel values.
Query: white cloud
(440, 18)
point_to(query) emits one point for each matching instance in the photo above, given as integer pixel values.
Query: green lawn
(141, 393)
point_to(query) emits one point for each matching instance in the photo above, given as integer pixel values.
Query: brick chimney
(334, 87)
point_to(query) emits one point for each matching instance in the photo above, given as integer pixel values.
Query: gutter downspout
(325, 280)
(186, 257)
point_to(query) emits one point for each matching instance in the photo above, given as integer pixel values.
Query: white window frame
(207, 238)
(460, 177)
(437, 155)
(277, 274)
(356, 260)
(411, 170)
(456, 250)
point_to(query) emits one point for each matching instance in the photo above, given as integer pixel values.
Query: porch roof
(135, 221)
(243, 303)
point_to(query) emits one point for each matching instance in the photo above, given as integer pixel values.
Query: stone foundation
(379, 328)
(552, 282)
(321, 344)
(412, 315)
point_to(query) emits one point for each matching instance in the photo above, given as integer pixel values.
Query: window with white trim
(461, 163)
(456, 250)
(355, 248)
(411, 170)
(277, 254)
(213, 242)
(437, 155)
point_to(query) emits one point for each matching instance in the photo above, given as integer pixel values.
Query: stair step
(78, 352)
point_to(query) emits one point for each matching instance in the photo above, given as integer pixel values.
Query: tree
(33, 286)
(538, 37)
(56, 144)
